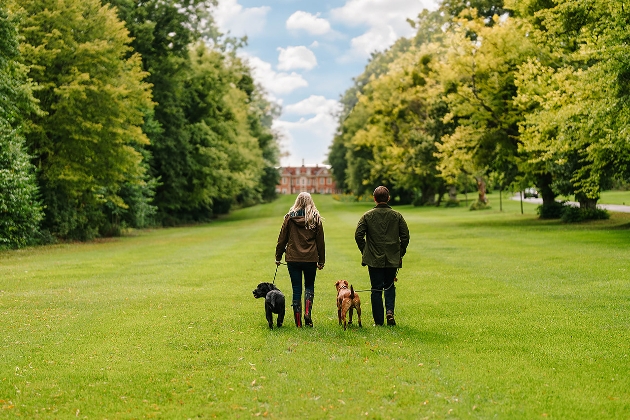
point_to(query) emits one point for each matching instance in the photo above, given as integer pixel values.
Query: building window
(284, 180)
(303, 181)
(329, 181)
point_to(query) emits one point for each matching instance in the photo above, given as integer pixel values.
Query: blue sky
(305, 54)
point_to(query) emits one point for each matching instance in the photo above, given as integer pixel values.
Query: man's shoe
(390, 318)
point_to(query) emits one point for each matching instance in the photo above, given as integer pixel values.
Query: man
(387, 239)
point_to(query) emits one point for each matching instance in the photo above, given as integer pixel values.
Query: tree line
(495, 93)
(125, 114)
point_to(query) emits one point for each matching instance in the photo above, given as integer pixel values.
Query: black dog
(274, 302)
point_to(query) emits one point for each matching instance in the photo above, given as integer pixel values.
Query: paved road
(610, 207)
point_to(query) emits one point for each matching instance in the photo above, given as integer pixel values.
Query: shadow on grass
(355, 335)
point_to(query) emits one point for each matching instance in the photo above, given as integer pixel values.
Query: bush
(551, 211)
(575, 214)
(479, 205)
(20, 210)
(451, 203)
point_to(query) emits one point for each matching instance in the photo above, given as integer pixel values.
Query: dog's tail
(351, 292)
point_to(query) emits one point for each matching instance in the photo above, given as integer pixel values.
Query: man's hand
(320, 266)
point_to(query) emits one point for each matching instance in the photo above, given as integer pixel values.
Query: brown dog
(347, 299)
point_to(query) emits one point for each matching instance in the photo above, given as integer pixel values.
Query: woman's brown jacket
(299, 243)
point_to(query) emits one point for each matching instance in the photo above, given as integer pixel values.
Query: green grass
(499, 315)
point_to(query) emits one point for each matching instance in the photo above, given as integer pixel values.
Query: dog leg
(339, 313)
(269, 315)
(281, 317)
(344, 310)
(350, 315)
(359, 315)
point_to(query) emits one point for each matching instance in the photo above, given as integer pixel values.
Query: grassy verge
(500, 315)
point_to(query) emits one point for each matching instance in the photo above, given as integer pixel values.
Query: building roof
(304, 170)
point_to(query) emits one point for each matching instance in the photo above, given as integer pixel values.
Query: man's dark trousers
(382, 278)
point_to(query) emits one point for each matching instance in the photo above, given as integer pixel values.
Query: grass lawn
(499, 315)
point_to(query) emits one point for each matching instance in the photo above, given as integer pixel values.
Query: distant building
(313, 179)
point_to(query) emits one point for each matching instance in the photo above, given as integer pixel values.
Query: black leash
(274, 276)
(376, 290)
(382, 290)
(363, 290)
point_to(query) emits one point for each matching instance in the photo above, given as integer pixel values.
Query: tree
(91, 88)
(207, 108)
(486, 9)
(349, 166)
(478, 79)
(20, 210)
(577, 118)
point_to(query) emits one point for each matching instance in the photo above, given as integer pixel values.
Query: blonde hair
(305, 202)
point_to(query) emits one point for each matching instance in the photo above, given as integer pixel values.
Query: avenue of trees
(507, 94)
(124, 113)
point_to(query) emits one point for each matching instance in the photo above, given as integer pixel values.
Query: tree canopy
(133, 113)
(512, 93)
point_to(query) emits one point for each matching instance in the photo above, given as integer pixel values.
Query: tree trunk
(586, 203)
(543, 182)
(429, 193)
(452, 193)
(441, 191)
(481, 188)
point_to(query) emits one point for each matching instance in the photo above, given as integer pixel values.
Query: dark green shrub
(575, 214)
(20, 210)
(451, 203)
(551, 211)
(479, 205)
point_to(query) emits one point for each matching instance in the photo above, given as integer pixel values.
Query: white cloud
(299, 57)
(239, 21)
(386, 21)
(377, 38)
(307, 139)
(275, 83)
(314, 104)
(312, 24)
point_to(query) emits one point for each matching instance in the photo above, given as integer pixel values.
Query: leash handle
(274, 276)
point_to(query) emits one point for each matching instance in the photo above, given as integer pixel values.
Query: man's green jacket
(382, 236)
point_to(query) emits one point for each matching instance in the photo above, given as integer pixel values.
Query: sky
(304, 53)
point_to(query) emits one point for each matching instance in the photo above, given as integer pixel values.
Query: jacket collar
(382, 206)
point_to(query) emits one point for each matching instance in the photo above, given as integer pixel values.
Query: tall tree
(162, 32)
(577, 120)
(91, 88)
(20, 210)
(487, 9)
(478, 77)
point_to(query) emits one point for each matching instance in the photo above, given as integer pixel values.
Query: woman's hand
(278, 262)
(320, 266)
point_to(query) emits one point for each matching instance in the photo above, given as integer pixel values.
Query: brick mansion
(312, 179)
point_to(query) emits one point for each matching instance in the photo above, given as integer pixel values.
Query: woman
(302, 238)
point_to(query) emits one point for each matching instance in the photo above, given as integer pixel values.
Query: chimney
(302, 162)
